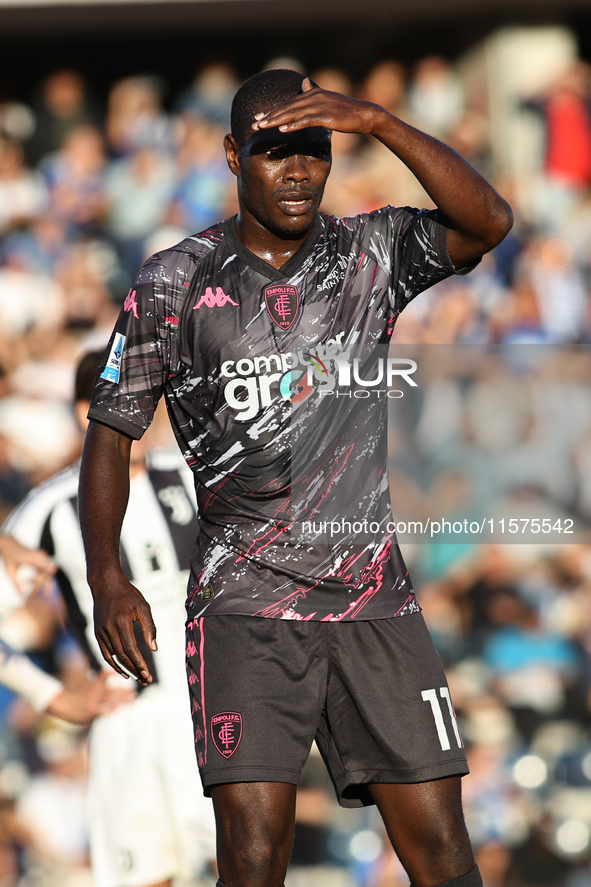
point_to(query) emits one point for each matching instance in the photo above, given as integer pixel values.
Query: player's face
(281, 178)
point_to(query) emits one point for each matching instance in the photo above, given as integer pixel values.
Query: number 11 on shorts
(430, 696)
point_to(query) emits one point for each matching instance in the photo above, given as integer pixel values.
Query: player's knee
(446, 830)
(446, 848)
(450, 837)
(253, 863)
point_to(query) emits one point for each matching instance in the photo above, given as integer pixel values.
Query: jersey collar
(257, 264)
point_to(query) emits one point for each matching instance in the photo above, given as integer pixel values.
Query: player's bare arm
(479, 218)
(104, 491)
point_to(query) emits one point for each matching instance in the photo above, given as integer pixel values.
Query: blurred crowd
(90, 185)
(493, 444)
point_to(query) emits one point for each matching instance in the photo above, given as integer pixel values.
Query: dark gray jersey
(243, 353)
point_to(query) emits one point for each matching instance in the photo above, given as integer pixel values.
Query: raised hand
(319, 107)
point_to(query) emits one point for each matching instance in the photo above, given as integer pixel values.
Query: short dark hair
(86, 373)
(259, 93)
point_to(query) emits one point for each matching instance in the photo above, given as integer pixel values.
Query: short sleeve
(410, 246)
(138, 357)
(420, 256)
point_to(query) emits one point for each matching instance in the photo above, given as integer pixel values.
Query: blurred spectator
(42, 242)
(83, 274)
(568, 152)
(42, 434)
(28, 299)
(52, 812)
(385, 85)
(558, 287)
(436, 96)
(210, 95)
(469, 136)
(62, 106)
(23, 196)
(75, 179)
(567, 165)
(202, 176)
(135, 118)
(495, 816)
(17, 121)
(530, 666)
(139, 189)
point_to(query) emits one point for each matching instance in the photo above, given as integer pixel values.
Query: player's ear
(232, 154)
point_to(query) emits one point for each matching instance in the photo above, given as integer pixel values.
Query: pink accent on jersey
(130, 303)
(202, 675)
(217, 300)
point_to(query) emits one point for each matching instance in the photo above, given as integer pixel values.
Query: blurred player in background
(17, 630)
(149, 823)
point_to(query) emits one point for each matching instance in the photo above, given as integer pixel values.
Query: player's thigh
(426, 826)
(257, 688)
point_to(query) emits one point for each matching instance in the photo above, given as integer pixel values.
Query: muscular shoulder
(385, 220)
(183, 258)
(384, 231)
(165, 277)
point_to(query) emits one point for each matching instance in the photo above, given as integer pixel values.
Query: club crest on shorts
(226, 730)
(282, 301)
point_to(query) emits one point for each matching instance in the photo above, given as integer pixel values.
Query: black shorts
(372, 694)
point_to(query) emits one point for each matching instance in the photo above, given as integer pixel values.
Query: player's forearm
(103, 495)
(470, 203)
(22, 676)
(479, 217)
(104, 491)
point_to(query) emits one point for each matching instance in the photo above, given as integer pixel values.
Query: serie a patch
(112, 370)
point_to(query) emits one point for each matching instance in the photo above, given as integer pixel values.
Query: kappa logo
(214, 300)
(130, 303)
(226, 729)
